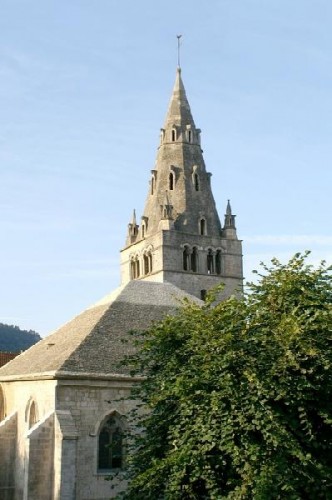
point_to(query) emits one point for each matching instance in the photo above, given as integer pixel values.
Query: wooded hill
(13, 339)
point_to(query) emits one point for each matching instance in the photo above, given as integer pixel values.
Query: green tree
(238, 395)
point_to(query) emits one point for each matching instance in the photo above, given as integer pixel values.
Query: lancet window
(134, 267)
(111, 443)
(202, 226)
(147, 260)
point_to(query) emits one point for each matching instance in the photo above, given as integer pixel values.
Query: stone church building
(63, 401)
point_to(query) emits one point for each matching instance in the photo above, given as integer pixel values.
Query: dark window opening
(146, 264)
(196, 182)
(152, 185)
(171, 181)
(110, 450)
(218, 262)
(173, 135)
(194, 260)
(202, 227)
(203, 294)
(189, 135)
(186, 261)
(210, 263)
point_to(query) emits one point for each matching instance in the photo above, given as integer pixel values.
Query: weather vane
(178, 37)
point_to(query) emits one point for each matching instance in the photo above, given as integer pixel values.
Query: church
(65, 400)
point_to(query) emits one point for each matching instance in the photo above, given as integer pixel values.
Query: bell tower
(180, 238)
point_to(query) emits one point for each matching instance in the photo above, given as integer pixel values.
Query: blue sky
(84, 88)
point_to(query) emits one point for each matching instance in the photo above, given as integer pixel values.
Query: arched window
(111, 444)
(132, 270)
(150, 261)
(186, 259)
(146, 264)
(218, 262)
(2, 404)
(171, 181)
(209, 261)
(194, 260)
(32, 415)
(189, 135)
(196, 182)
(173, 135)
(143, 230)
(137, 270)
(202, 226)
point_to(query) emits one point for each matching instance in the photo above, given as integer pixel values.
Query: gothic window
(132, 269)
(32, 415)
(171, 181)
(189, 135)
(202, 227)
(150, 261)
(186, 258)
(143, 230)
(209, 261)
(173, 135)
(111, 444)
(218, 262)
(137, 270)
(2, 404)
(196, 182)
(194, 260)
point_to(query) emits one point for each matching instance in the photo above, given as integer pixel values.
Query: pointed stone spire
(229, 229)
(132, 230)
(179, 114)
(180, 228)
(228, 208)
(133, 221)
(180, 170)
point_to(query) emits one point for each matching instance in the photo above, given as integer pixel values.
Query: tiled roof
(92, 343)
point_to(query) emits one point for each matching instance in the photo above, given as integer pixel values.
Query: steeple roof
(180, 170)
(179, 112)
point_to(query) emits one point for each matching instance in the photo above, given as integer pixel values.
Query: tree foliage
(13, 339)
(238, 395)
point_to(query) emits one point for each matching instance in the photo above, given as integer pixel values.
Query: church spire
(180, 228)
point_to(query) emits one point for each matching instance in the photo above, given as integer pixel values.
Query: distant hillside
(13, 339)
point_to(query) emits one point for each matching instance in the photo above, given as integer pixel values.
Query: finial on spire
(179, 44)
(228, 208)
(134, 218)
